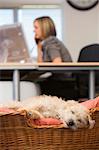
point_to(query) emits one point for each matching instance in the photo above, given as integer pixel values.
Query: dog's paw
(34, 114)
(21, 111)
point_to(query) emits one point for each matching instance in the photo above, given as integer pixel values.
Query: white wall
(80, 28)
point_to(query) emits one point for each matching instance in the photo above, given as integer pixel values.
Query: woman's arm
(57, 60)
(40, 53)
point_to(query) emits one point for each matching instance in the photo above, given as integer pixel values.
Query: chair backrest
(89, 53)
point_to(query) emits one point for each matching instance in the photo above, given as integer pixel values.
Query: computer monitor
(13, 46)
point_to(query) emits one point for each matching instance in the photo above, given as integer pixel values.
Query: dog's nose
(70, 123)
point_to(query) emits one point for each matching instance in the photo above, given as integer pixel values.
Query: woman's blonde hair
(47, 26)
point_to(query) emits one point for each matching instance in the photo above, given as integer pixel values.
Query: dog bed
(17, 132)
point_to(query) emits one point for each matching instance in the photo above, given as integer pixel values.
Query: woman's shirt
(53, 48)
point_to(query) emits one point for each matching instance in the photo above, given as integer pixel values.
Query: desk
(16, 67)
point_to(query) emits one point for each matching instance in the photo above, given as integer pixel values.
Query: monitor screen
(13, 47)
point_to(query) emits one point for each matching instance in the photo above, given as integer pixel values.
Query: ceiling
(18, 3)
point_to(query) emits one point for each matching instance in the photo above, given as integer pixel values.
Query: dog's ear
(91, 122)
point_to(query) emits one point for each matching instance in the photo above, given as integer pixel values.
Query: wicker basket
(15, 134)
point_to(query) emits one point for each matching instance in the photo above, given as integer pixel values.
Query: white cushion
(27, 89)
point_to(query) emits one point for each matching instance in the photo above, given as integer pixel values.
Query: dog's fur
(72, 113)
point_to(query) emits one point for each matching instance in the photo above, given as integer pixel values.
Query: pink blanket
(47, 121)
(93, 103)
(4, 110)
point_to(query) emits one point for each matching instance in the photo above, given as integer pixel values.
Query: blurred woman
(51, 49)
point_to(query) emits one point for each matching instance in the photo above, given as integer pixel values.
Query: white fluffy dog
(72, 113)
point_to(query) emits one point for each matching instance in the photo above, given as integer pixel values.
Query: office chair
(89, 53)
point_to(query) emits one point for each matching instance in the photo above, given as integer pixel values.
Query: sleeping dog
(71, 113)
